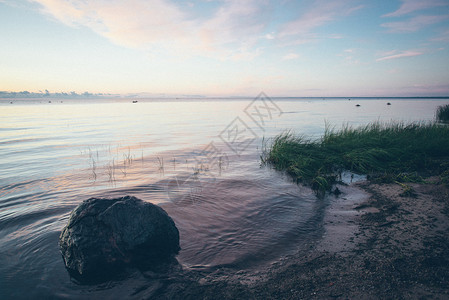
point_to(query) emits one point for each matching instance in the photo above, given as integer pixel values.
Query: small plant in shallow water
(127, 158)
(111, 171)
(94, 169)
(160, 162)
(124, 168)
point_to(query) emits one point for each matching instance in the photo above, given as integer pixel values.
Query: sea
(197, 158)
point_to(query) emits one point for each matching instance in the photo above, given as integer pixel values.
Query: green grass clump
(388, 150)
(444, 176)
(442, 113)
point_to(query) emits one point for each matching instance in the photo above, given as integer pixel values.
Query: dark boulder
(104, 236)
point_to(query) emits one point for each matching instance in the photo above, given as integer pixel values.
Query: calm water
(198, 159)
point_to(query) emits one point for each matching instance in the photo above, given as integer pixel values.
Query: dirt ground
(376, 244)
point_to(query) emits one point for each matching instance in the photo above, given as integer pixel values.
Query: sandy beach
(376, 244)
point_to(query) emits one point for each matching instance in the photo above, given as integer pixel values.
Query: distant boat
(388, 103)
(135, 101)
(357, 105)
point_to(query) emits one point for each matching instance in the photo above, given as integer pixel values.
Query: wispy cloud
(231, 30)
(442, 37)
(134, 24)
(350, 56)
(400, 55)
(234, 22)
(269, 36)
(162, 25)
(409, 6)
(290, 56)
(336, 36)
(414, 24)
(388, 53)
(319, 14)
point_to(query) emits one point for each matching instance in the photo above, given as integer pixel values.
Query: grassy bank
(442, 113)
(393, 151)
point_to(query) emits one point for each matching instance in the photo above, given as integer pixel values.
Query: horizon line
(87, 95)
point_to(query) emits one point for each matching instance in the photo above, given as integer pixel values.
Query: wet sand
(375, 244)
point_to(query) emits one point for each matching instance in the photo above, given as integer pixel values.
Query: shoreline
(376, 244)
(400, 250)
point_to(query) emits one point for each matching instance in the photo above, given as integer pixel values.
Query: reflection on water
(238, 221)
(229, 210)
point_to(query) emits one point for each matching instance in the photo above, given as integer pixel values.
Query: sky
(335, 48)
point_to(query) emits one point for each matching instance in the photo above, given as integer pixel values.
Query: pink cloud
(321, 13)
(164, 26)
(414, 24)
(400, 55)
(409, 6)
(388, 53)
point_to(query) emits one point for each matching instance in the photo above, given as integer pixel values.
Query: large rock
(103, 236)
